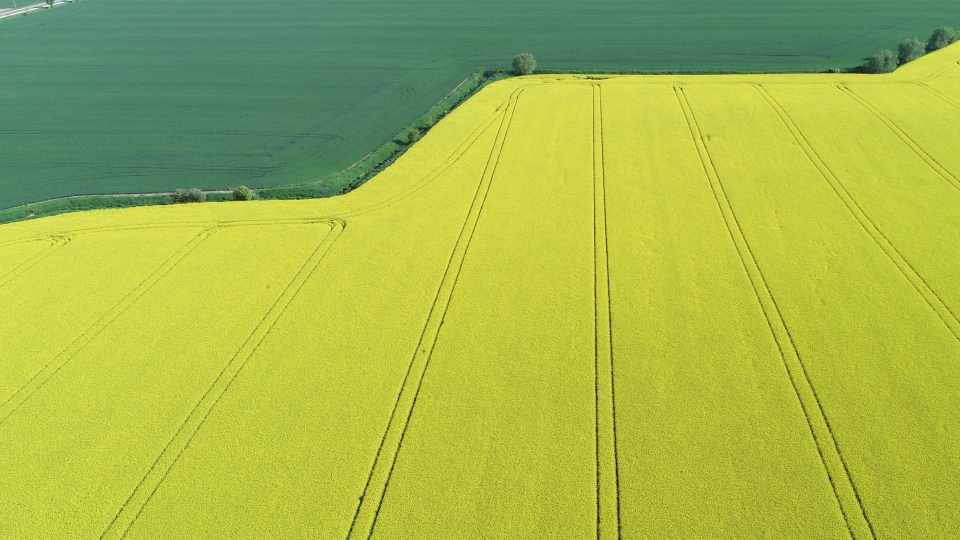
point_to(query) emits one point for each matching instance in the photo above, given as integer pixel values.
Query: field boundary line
(608, 462)
(51, 368)
(143, 492)
(907, 140)
(933, 300)
(450, 161)
(371, 500)
(844, 490)
(56, 242)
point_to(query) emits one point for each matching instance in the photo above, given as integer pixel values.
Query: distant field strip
(580, 307)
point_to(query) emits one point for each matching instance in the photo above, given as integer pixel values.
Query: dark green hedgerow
(192, 195)
(909, 50)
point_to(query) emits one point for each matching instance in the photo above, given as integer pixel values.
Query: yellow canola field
(580, 307)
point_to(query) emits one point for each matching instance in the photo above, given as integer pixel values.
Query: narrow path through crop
(936, 93)
(55, 243)
(845, 491)
(943, 311)
(141, 495)
(907, 140)
(608, 466)
(57, 363)
(368, 509)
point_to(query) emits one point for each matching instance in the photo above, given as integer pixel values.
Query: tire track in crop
(143, 492)
(608, 463)
(56, 242)
(844, 489)
(368, 508)
(907, 140)
(936, 93)
(51, 368)
(923, 288)
(72, 233)
(936, 74)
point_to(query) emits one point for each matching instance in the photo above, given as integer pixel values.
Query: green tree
(242, 193)
(941, 37)
(188, 196)
(909, 50)
(882, 62)
(413, 136)
(524, 64)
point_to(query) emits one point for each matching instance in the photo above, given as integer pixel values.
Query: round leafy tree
(941, 37)
(882, 62)
(909, 50)
(524, 64)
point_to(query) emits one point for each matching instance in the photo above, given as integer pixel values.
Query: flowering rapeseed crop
(638, 306)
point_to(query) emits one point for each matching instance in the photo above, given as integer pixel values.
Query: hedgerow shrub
(242, 193)
(882, 62)
(188, 196)
(941, 37)
(413, 136)
(524, 64)
(909, 50)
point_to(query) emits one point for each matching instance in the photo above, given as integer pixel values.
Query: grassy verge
(74, 204)
(337, 184)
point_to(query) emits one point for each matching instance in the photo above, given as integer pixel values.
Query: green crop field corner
(581, 307)
(138, 96)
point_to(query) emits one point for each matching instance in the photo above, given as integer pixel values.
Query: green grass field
(120, 96)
